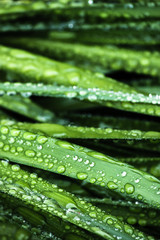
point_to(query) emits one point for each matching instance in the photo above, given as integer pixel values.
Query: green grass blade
(55, 201)
(140, 160)
(26, 107)
(36, 219)
(13, 231)
(60, 131)
(95, 57)
(78, 162)
(90, 94)
(110, 121)
(26, 66)
(139, 216)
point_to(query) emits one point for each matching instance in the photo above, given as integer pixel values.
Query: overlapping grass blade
(78, 162)
(133, 214)
(48, 197)
(111, 121)
(26, 66)
(26, 107)
(90, 94)
(60, 131)
(94, 57)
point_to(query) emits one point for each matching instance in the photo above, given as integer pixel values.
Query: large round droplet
(112, 185)
(29, 136)
(129, 188)
(92, 180)
(15, 132)
(4, 130)
(42, 139)
(131, 220)
(30, 153)
(6, 148)
(61, 169)
(82, 176)
(15, 168)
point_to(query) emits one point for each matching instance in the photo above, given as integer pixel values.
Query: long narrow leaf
(78, 162)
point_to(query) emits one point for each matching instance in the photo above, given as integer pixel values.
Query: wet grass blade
(60, 131)
(55, 201)
(140, 160)
(75, 161)
(13, 231)
(36, 219)
(110, 121)
(26, 107)
(91, 94)
(95, 57)
(26, 66)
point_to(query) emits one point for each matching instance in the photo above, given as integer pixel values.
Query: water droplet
(92, 180)
(50, 165)
(4, 130)
(1, 144)
(144, 61)
(19, 149)
(80, 160)
(82, 176)
(39, 147)
(15, 168)
(124, 174)
(13, 150)
(139, 197)
(30, 153)
(61, 169)
(131, 220)
(137, 180)
(4, 163)
(108, 130)
(71, 94)
(100, 179)
(129, 188)
(102, 184)
(128, 229)
(15, 132)
(29, 136)
(11, 140)
(42, 139)
(12, 192)
(6, 148)
(112, 185)
(50, 73)
(86, 162)
(110, 221)
(142, 222)
(93, 214)
(40, 160)
(3, 137)
(92, 164)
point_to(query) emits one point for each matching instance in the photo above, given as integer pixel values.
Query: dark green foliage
(79, 120)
